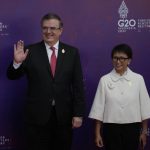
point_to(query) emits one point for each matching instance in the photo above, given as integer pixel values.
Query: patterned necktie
(53, 60)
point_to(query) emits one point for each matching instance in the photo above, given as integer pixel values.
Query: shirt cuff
(16, 65)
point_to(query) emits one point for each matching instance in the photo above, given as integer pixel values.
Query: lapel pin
(130, 83)
(63, 51)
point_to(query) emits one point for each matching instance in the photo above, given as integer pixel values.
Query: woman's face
(120, 62)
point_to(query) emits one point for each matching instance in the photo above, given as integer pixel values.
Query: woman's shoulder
(135, 76)
(105, 77)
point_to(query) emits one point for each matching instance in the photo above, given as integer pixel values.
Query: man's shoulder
(35, 45)
(67, 46)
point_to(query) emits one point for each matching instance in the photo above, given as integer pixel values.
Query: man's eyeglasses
(45, 29)
(121, 59)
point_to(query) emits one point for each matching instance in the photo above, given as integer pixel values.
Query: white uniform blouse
(121, 99)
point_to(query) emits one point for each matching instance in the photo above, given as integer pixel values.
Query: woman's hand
(143, 138)
(99, 141)
(98, 137)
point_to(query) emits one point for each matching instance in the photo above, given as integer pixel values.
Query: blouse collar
(116, 77)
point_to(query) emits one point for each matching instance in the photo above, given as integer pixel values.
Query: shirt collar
(116, 77)
(55, 45)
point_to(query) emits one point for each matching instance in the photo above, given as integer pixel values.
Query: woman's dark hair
(52, 16)
(122, 48)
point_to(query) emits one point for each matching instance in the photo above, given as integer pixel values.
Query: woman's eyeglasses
(121, 59)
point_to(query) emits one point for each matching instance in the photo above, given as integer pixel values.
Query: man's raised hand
(19, 53)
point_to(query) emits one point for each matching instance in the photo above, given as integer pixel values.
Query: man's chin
(50, 42)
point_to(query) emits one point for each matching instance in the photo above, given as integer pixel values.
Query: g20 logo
(126, 23)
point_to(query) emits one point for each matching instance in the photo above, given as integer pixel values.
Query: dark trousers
(121, 136)
(51, 136)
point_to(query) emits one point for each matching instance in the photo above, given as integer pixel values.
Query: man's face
(51, 31)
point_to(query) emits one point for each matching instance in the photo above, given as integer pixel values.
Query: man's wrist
(16, 65)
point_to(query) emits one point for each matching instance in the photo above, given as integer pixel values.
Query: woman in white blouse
(121, 105)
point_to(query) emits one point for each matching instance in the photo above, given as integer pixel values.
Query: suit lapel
(60, 58)
(45, 59)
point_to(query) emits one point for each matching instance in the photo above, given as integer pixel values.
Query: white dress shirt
(121, 99)
(49, 52)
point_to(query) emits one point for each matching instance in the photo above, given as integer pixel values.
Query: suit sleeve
(78, 88)
(13, 73)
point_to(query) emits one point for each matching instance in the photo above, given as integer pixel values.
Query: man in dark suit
(55, 99)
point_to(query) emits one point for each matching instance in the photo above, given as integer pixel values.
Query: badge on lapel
(129, 83)
(63, 51)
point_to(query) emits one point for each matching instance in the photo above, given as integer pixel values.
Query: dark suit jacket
(66, 88)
